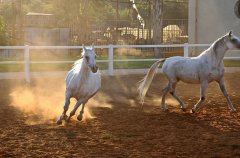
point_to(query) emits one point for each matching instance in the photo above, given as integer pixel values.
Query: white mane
(77, 64)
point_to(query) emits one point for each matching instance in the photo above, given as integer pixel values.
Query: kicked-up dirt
(114, 124)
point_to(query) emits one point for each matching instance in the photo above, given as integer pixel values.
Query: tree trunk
(157, 25)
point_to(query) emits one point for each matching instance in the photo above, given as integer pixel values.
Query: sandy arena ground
(114, 125)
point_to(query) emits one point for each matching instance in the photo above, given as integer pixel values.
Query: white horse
(82, 82)
(203, 69)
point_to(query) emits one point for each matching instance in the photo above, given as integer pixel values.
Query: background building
(39, 29)
(210, 19)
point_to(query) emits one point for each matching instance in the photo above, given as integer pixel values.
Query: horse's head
(232, 41)
(89, 57)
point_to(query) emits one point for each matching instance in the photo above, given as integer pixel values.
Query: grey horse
(203, 69)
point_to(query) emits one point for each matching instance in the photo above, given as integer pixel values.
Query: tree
(157, 24)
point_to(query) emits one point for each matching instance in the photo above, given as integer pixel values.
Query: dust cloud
(169, 101)
(43, 102)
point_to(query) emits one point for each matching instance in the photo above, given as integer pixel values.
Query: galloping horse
(82, 82)
(203, 69)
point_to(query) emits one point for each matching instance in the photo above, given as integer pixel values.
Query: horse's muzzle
(238, 46)
(94, 69)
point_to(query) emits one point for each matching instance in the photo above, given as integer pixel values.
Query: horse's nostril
(94, 69)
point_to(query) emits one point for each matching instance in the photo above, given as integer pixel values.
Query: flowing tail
(147, 80)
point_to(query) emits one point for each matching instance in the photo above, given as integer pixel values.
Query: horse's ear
(230, 33)
(93, 47)
(84, 48)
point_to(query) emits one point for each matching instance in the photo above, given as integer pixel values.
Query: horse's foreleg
(79, 102)
(204, 85)
(225, 93)
(65, 108)
(80, 116)
(173, 93)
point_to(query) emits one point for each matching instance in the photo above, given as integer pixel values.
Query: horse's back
(182, 68)
(180, 63)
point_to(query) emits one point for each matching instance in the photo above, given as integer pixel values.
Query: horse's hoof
(193, 111)
(59, 122)
(184, 109)
(166, 110)
(233, 110)
(80, 117)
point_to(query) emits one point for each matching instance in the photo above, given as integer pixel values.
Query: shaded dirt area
(121, 129)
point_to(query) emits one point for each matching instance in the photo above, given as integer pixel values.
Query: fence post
(27, 63)
(186, 50)
(110, 60)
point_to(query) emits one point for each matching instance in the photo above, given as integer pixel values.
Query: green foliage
(2, 25)
(38, 6)
(3, 38)
(69, 11)
(124, 14)
(73, 11)
(101, 11)
(84, 13)
(94, 11)
(172, 9)
(8, 12)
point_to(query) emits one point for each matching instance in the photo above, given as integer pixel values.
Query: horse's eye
(87, 58)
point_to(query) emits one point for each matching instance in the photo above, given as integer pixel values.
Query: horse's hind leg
(173, 93)
(65, 108)
(165, 91)
(202, 97)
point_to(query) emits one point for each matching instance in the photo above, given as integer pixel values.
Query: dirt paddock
(114, 125)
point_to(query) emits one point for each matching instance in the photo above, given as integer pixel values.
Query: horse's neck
(215, 54)
(218, 54)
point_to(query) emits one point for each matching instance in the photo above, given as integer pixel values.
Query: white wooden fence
(110, 60)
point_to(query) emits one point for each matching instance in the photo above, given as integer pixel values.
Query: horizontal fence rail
(110, 59)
